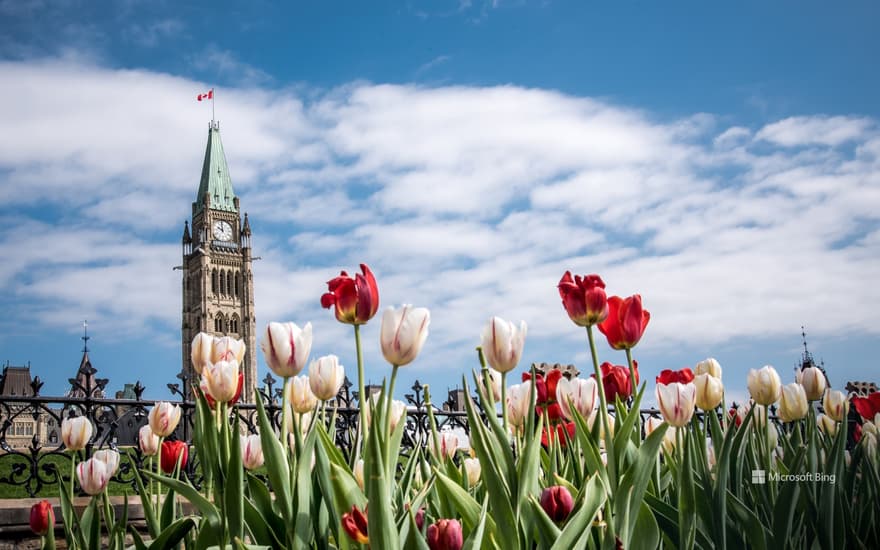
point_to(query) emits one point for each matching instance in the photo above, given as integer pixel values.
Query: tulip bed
(568, 464)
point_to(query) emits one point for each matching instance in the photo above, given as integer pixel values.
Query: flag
(209, 95)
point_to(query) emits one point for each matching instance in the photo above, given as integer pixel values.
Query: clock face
(222, 231)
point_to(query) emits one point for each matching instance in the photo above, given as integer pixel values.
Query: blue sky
(722, 160)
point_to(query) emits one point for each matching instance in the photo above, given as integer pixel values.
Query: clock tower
(218, 283)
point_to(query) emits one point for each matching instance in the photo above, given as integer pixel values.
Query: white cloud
(821, 130)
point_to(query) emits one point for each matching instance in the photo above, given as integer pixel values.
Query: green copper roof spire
(215, 175)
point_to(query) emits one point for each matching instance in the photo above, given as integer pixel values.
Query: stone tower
(218, 282)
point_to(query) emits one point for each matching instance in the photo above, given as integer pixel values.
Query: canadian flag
(209, 95)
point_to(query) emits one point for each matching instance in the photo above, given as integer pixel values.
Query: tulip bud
(286, 347)
(764, 385)
(164, 418)
(148, 441)
(502, 343)
(826, 425)
(626, 322)
(42, 517)
(772, 436)
(518, 397)
(403, 333)
(76, 432)
(473, 469)
(710, 391)
(557, 502)
(445, 534)
(359, 473)
(110, 458)
(300, 396)
(251, 451)
(494, 381)
(793, 403)
(708, 366)
(583, 298)
(668, 443)
(580, 394)
(172, 451)
(835, 404)
(200, 351)
(354, 523)
(227, 348)
(220, 380)
(813, 381)
(398, 411)
(356, 299)
(93, 476)
(326, 377)
(676, 402)
(448, 445)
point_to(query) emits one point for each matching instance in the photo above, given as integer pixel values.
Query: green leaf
(465, 505)
(234, 486)
(631, 489)
(577, 531)
(91, 524)
(544, 531)
(276, 464)
(687, 512)
(209, 512)
(173, 534)
(383, 532)
(258, 526)
(166, 516)
(648, 532)
(475, 540)
(303, 491)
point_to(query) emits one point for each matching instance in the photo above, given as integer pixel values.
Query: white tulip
(286, 347)
(326, 377)
(502, 343)
(403, 333)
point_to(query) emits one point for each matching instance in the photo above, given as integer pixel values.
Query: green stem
(503, 401)
(432, 424)
(633, 387)
(603, 403)
(285, 413)
(108, 514)
(362, 396)
(72, 474)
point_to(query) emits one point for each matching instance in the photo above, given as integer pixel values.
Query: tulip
(356, 300)
(583, 298)
(793, 403)
(626, 322)
(300, 396)
(403, 333)
(708, 366)
(445, 534)
(518, 397)
(502, 343)
(772, 436)
(355, 525)
(201, 350)
(582, 394)
(814, 382)
(286, 347)
(397, 413)
(148, 441)
(595, 421)
(42, 518)
(764, 385)
(164, 418)
(227, 348)
(251, 451)
(213, 404)
(616, 381)
(557, 502)
(220, 380)
(668, 442)
(472, 469)
(868, 407)
(676, 402)
(757, 417)
(668, 376)
(110, 458)
(826, 424)
(172, 451)
(558, 431)
(76, 432)
(710, 391)
(93, 476)
(326, 377)
(448, 445)
(420, 515)
(835, 404)
(494, 381)
(359, 473)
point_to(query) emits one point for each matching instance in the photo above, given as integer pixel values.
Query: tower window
(218, 323)
(214, 282)
(222, 282)
(233, 324)
(229, 283)
(237, 283)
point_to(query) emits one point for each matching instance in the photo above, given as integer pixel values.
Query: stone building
(218, 284)
(23, 429)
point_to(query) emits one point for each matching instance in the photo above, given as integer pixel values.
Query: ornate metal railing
(36, 464)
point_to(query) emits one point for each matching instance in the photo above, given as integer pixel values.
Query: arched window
(218, 323)
(214, 282)
(229, 283)
(233, 324)
(237, 283)
(222, 282)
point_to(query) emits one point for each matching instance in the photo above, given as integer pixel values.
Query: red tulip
(616, 380)
(42, 517)
(545, 393)
(557, 502)
(558, 432)
(867, 407)
(583, 298)
(668, 376)
(445, 534)
(235, 398)
(356, 299)
(355, 525)
(171, 451)
(733, 413)
(857, 433)
(626, 322)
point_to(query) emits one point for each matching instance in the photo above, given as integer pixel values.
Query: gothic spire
(216, 183)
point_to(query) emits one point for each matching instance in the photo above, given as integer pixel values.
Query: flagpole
(212, 107)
